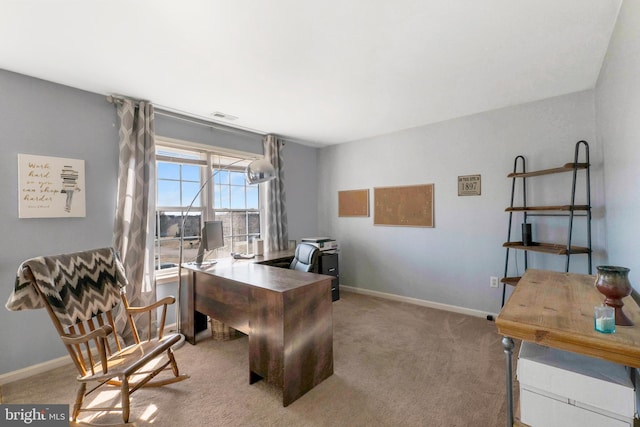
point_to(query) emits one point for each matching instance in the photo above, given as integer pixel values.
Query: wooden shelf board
(512, 281)
(568, 167)
(548, 208)
(549, 248)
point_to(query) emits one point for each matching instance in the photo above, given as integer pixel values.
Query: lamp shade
(260, 171)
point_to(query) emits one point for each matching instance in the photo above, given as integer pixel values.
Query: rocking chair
(82, 293)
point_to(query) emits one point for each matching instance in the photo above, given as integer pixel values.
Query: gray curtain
(135, 210)
(276, 233)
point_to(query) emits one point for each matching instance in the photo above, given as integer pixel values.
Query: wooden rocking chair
(81, 291)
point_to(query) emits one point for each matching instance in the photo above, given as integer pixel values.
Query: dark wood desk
(287, 315)
(556, 310)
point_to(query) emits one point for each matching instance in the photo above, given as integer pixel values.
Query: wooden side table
(555, 309)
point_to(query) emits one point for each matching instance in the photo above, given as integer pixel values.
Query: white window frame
(207, 153)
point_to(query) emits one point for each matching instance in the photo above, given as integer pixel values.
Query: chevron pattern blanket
(77, 285)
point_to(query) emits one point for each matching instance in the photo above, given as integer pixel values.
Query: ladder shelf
(571, 211)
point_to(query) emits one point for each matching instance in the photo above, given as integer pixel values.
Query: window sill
(166, 276)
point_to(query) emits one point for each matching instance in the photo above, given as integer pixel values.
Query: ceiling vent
(223, 116)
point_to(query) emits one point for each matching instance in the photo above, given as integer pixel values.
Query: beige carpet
(395, 364)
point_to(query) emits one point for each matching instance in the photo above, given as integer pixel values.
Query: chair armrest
(164, 301)
(101, 332)
(99, 335)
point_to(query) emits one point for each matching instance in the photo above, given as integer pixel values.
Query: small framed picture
(51, 187)
(469, 185)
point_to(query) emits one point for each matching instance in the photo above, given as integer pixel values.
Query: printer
(322, 243)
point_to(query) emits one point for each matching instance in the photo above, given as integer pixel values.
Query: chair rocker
(82, 293)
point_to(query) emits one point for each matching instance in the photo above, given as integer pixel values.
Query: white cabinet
(559, 388)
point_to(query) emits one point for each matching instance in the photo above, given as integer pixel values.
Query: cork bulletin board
(353, 203)
(410, 206)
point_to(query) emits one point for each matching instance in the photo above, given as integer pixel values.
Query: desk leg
(187, 306)
(254, 378)
(507, 344)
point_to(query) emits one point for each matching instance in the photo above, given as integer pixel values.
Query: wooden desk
(287, 315)
(556, 310)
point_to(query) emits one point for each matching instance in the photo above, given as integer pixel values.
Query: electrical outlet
(493, 282)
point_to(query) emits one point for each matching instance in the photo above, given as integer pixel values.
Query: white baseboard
(29, 371)
(421, 302)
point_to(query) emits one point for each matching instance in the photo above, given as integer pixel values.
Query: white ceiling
(320, 72)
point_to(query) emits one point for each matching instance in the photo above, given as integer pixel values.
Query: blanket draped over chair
(78, 286)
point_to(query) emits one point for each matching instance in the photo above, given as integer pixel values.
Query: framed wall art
(50, 187)
(469, 185)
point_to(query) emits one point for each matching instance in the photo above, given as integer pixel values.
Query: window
(182, 193)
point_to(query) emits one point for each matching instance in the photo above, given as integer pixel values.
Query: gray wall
(452, 262)
(618, 113)
(301, 172)
(43, 118)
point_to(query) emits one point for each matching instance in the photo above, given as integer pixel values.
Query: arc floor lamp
(258, 171)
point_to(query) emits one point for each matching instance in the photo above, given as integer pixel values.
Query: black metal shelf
(572, 210)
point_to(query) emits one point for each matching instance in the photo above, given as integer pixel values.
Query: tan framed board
(410, 206)
(353, 203)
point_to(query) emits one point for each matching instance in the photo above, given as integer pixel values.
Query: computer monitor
(212, 238)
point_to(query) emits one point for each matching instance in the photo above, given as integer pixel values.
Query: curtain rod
(201, 120)
(189, 117)
(117, 99)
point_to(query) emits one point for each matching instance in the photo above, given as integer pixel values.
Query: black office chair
(305, 258)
